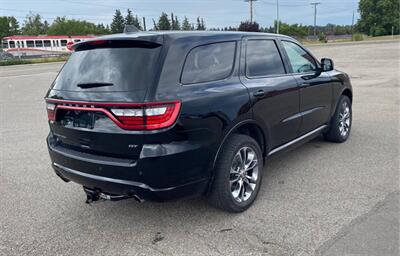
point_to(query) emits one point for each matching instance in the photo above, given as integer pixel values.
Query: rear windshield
(109, 70)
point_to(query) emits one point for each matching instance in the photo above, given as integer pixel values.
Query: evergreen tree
(203, 25)
(200, 24)
(137, 23)
(118, 22)
(175, 22)
(172, 21)
(163, 22)
(132, 20)
(186, 24)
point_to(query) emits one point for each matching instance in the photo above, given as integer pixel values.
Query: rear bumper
(130, 188)
(155, 179)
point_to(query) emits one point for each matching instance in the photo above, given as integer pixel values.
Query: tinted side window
(39, 43)
(209, 63)
(47, 43)
(63, 42)
(12, 44)
(263, 59)
(30, 43)
(299, 59)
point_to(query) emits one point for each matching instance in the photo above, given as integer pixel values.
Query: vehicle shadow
(196, 210)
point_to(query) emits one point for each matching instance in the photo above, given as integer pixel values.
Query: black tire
(221, 196)
(335, 134)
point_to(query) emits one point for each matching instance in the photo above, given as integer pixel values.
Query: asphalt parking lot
(320, 199)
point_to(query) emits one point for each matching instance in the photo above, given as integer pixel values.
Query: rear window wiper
(93, 85)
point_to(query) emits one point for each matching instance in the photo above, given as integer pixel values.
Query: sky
(216, 13)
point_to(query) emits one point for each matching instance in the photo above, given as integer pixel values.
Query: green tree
(200, 24)
(8, 26)
(63, 26)
(186, 24)
(175, 22)
(14, 25)
(118, 22)
(377, 17)
(249, 26)
(33, 25)
(132, 20)
(163, 22)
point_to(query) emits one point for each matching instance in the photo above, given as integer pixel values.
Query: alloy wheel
(344, 120)
(244, 174)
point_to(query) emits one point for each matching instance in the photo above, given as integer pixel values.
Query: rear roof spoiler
(148, 41)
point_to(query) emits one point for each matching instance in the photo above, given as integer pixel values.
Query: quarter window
(299, 59)
(263, 59)
(209, 63)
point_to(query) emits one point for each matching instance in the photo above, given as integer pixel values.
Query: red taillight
(51, 111)
(145, 116)
(149, 116)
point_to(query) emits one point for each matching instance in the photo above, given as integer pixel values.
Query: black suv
(162, 115)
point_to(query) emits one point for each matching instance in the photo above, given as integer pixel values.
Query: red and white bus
(40, 45)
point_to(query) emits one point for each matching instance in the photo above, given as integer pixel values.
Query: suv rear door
(274, 92)
(99, 79)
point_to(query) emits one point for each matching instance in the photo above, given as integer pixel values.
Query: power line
(315, 16)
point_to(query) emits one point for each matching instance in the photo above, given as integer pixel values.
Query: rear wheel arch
(250, 128)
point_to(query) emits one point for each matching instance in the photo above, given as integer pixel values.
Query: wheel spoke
(242, 192)
(236, 192)
(250, 185)
(234, 180)
(251, 165)
(243, 153)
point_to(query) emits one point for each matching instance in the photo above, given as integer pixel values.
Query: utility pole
(144, 24)
(392, 32)
(277, 16)
(315, 17)
(251, 9)
(352, 27)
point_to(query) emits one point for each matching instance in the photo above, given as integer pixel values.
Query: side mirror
(327, 64)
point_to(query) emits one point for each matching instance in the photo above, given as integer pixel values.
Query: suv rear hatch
(96, 104)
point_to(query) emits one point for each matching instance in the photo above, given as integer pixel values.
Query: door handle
(259, 93)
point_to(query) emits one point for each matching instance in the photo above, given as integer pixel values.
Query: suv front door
(315, 91)
(274, 93)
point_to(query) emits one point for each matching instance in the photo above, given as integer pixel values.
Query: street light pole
(277, 16)
(315, 17)
(251, 9)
